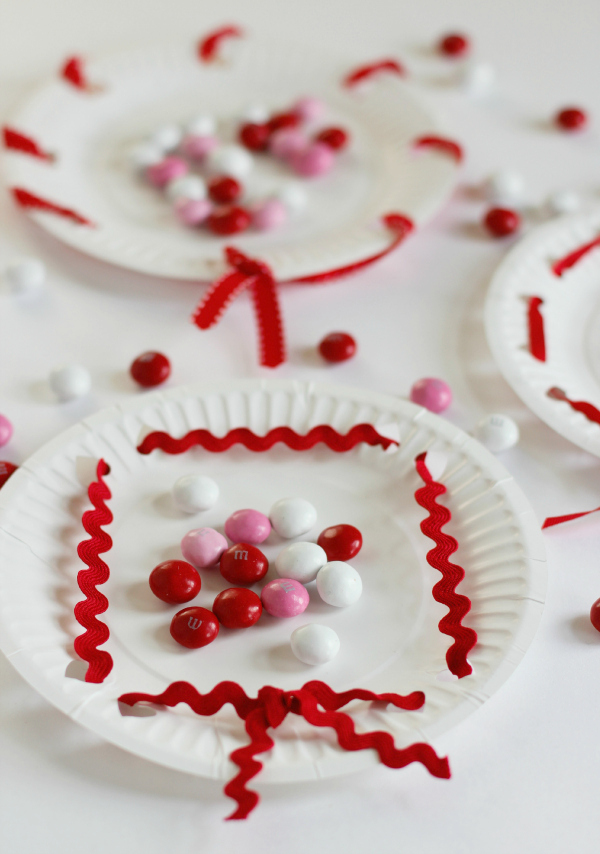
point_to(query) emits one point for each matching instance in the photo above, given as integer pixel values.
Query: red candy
(175, 582)
(283, 120)
(340, 542)
(237, 608)
(571, 118)
(229, 221)
(194, 627)
(6, 469)
(337, 347)
(335, 138)
(501, 221)
(454, 45)
(243, 564)
(224, 189)
(150, 369)
(254, 137)
(595, 615)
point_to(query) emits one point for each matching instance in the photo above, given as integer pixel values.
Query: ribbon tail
(270, 325)
(222, 293)
(256, 727)
(332, 701)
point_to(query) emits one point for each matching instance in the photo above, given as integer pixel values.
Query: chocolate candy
(194, 627)
(339, 584)
(237, 608)
(243, 564)
(203, 547)
(248, 526)
(175, 582)
(315, 644)
(340, 542)
(284, 598)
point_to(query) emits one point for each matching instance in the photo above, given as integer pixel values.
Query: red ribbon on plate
(364, 72)
(441, 143)
(14, 140)
(535, 323)
(208, 47)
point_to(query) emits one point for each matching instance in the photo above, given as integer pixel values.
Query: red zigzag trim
(452, 574)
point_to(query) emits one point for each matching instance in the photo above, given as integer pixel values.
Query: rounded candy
(287, 143)
(308, 109)
(315, 644)
(335, 138)
(563, 202)
(254, 136)
(237, 608)
(283, 120)
(194, 627)
(195, 492)
(271, 213)
(6, 430)
(198, 147)
(167, 137)
(477, 79)
(337, 347)
(571, 118)
(256, 113)
(505, 187)
(230, 220)
(230, 160)
(500, 222)
(203, 547)
(340, 542)
(70, 382)
(284, 597)
(291, 517)
(454, 45)
(497, 432)
(145, 154)
(431, 393)
(150, 369)
(243, 564)
(315, 160)
(339, 584)
(160, 174)
(293, 195)
(595, 614)
(6, 469)
(27, 276)
(248, 526)
(223, 189)
(300, 561)
(192, 211)
(202, 125)
(188, 187)
(175, 582)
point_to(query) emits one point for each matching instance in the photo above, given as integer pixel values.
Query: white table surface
(525, 765)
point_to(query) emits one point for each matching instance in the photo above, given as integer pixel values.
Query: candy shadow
(583, 630)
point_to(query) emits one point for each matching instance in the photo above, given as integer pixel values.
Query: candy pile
(202, 176)
(177, 582)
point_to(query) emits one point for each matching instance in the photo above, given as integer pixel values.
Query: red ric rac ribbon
(257, 277)
(563, 264)
(16, 141)
(29, 201)
(558, 520)
(452, 574)
(587, 409)
(535, 322)
(440, 143)
(97, 572)
(364, 72)
(208, 47)
(317, 703)
(73, 72)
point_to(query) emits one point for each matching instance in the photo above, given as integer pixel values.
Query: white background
(525, 766)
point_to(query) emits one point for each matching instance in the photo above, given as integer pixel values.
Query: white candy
(70, 382)
(477, 78)
(167, 137)
(203, 125)
(145, 154)
(300, 561)
(187, 187)
(339, 584)
(505, 187)
(315, 644)
(563, 202)
(26, 276)
(497, 432)
(195, 492)
(291, 517)
(229, 160)
(293, 196)
(256, 114)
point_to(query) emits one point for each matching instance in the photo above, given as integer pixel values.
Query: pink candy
(203, 547)
(284, 598)
(248, 526)
(287, 143)
(192, 211)
(315, 160)
(433, 394)
(308, 109)
(6, 430)
(198, 147)
(268, 214)
(167, 170)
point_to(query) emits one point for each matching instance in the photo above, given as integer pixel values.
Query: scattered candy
(166, 138)
(308, 109)
(203, 547)
(195, 492)
(315, 644)
(477, 79)
(6, 469)
(231, 220)
(563, 202)
(150, 369)
(315, 160)
(571, 118)
(335, 138)
(243, 564)
(70, 382)
(454, 45)
(198, 147)
(300, 562)
(269, 214)
(237, 608)
(254, 137)
(505, 187)
(291, 517)
(203, 125)
(283, 120)
(337, 347)
(340, 542)
(175, 582)
(595, 615)
(188, 187)
(145, 154)
(287, 143)
(6, 430)
(339, 584)
(27, 276)
(166, 170)
(294, 196)
(192, 212)
(224, 189)
(229, 160)
(256, 113)
(284, 598)
(194, 627)
(431, 393)
(500, 222)
(497, 433)
(248, 526)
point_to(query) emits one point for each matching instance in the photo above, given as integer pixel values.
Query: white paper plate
(92, 133)
(571, 312)
(389, 639)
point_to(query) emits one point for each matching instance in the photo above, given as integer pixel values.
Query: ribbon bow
(317, 703)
